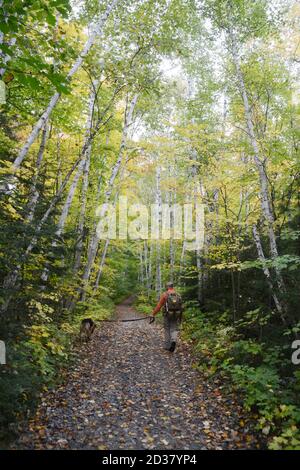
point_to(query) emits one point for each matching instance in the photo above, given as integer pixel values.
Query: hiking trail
(124, 391)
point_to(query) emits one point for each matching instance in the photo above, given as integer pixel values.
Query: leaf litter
(126, 392)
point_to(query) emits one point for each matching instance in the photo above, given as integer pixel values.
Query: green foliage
(27, 49)
(143, 303)
(288, 262)
(38, 355)
(260, 386)
(255, 369)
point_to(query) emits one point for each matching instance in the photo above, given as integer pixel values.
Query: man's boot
(173, 346)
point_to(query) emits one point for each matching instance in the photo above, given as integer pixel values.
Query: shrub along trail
(126, 392)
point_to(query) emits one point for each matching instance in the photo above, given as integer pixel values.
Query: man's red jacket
(162, 301)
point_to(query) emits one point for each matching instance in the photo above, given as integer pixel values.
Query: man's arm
(160, 304)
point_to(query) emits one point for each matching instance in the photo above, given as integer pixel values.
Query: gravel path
(126, 392)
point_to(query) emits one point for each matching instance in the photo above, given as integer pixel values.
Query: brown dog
(87, 328)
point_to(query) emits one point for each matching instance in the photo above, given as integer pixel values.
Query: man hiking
(171, 303)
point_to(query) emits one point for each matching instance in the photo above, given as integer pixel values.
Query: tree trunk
(141, 276)
(34, 197)
(82, 165)
(10, 280)
(92, 251)
(102, 262)
(80, 230)
(260, 164)
(146, 265)
(150, 268)
(104, 253)
(158, 283)
(172, 200)
(197, 189)
(233, 295)
(79, 244)
(182, 261)
(267, 273)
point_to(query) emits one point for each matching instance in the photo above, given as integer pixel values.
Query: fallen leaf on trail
(128, 393)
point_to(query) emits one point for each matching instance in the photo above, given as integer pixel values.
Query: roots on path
(127, 392)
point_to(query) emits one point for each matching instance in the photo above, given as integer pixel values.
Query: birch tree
(93, 245)
(12, 277)
(96, 32)
(158, 280)
(267, 273)
(34, 196)
(82, 167)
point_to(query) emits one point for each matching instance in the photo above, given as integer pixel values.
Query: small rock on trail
(126, 392)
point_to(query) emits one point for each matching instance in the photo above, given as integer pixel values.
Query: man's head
(169, 285)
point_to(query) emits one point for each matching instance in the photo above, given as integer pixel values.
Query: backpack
(173, 306)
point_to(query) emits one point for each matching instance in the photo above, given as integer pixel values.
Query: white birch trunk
(146, 265)
(34, 197)
(197, 188)
(11, 279)
(104, 253)
(141, 276)
(158, 283)
(150, 268)
(80, 231)
(102, 262)
(79, 244)
(64, 214)
(260, 164)
(70, 196)
(182, 259)
(172, 201)
(93, 247)
(267, 273)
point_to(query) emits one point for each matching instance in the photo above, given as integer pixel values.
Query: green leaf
(51, 20)
(59, 81)
(4, 27)
(28, 81)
